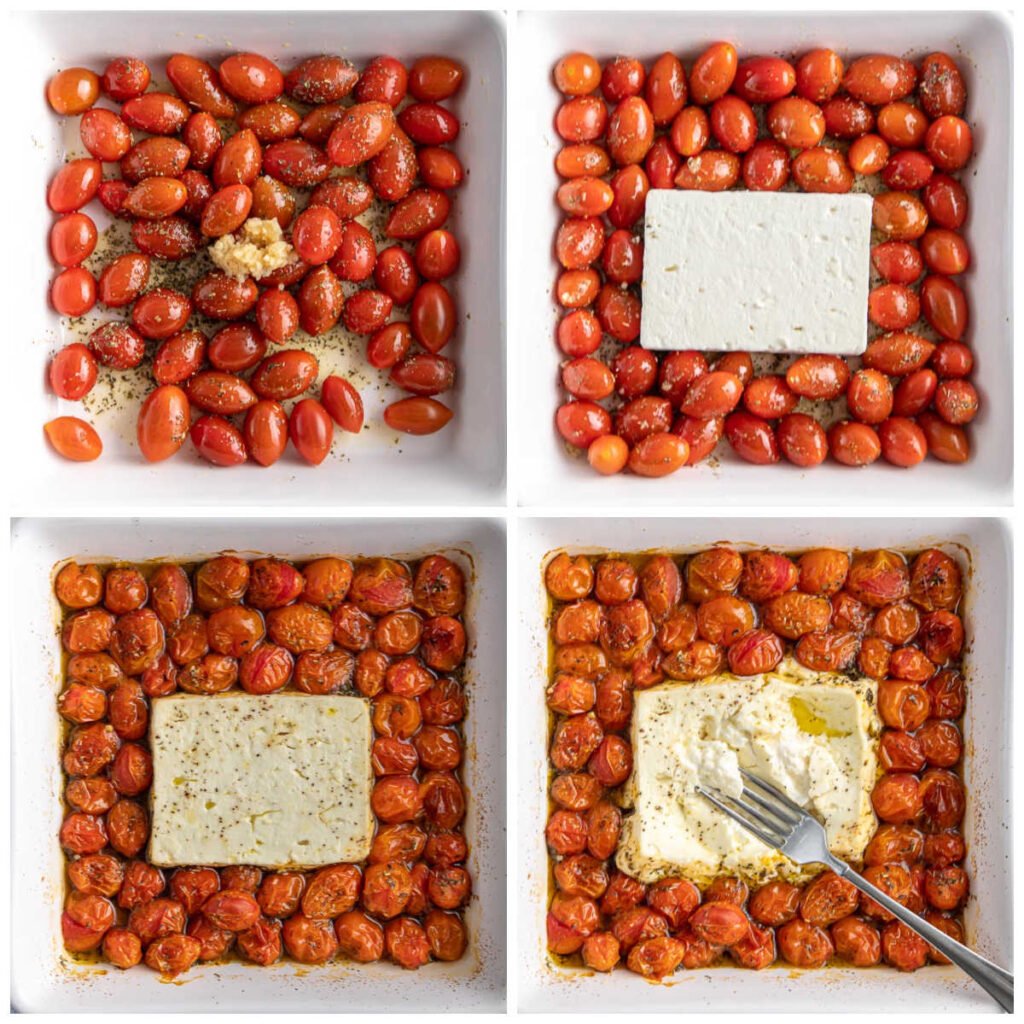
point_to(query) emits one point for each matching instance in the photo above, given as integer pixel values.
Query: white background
(519, 122)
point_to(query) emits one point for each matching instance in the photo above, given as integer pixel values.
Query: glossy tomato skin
(74, 439)
(73, 292)
(218, 441)
(179, 357)
(752, 438)
(72, 372)
(418, 415)
(343, 403)
(163, 423)
(311, 430)
(72, 239)
(74, 185)
(266, 432)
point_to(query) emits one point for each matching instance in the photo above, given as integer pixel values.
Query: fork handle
(994, 980)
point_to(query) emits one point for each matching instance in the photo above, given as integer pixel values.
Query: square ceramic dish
(981, 44)
(982, 546)
(44, 980)
(462, 463)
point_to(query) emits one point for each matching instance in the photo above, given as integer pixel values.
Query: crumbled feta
(813, 735)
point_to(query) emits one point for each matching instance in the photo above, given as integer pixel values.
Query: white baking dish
(981, 44)
(465, 462)
(983, 547)
(43, 980)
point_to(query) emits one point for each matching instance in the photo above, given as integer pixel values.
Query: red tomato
(74, 185)
(802, 439)
(74, 439)
(266, 431)
(343, 403)
(362, 133)
(752, 438)
(163, 423)
(764, 79)
(72, 372)
(316, 234)
(432, 318)
(854, 444)
(713, 73)
(72, 239)
(417, 415)
(218, 441)
(903, 441)
(73, 292)
(311, 430)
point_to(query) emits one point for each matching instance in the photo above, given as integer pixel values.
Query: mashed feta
(814, 735)
(259, 249)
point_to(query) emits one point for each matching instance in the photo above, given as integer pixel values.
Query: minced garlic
(258, 249)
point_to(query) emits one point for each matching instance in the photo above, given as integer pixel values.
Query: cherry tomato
(432, 317)
(665, 89)
(802, 439)
(658, 454)
(821, 169)
(819, 74)
(764, 79)
(946, 201)
(818, 376)
(766, 166)
(72, 239)
(949, 142)
(796, 122)
(879, 79)
(733, 124)
(854, 444)
(903, 441)
(311, 430)
(868, 155)
(847, 118)
(944, 306)
(72, 372)
(73, 292)
(580, 423)
(163, 423)
(752, 438)
(608, 454)
(946, 442)
(218, 441)
(713, 73)
(709, 171)
(74, 439)
(73, 91)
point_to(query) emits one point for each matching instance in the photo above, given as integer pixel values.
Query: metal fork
(780, 823)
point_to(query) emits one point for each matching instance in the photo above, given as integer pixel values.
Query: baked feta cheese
(278, 781)
(813, 735)
(756, 271)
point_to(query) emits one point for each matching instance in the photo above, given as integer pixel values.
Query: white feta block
(756, 271)
(278, 781)
(813, 735)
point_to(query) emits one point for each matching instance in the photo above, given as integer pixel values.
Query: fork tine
(768, 838)
(782, 831)
(788, 819)
(771, 791)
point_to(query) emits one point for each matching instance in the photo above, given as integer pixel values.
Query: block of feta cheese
(278, 781)
(756, 271)
(813, 735)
